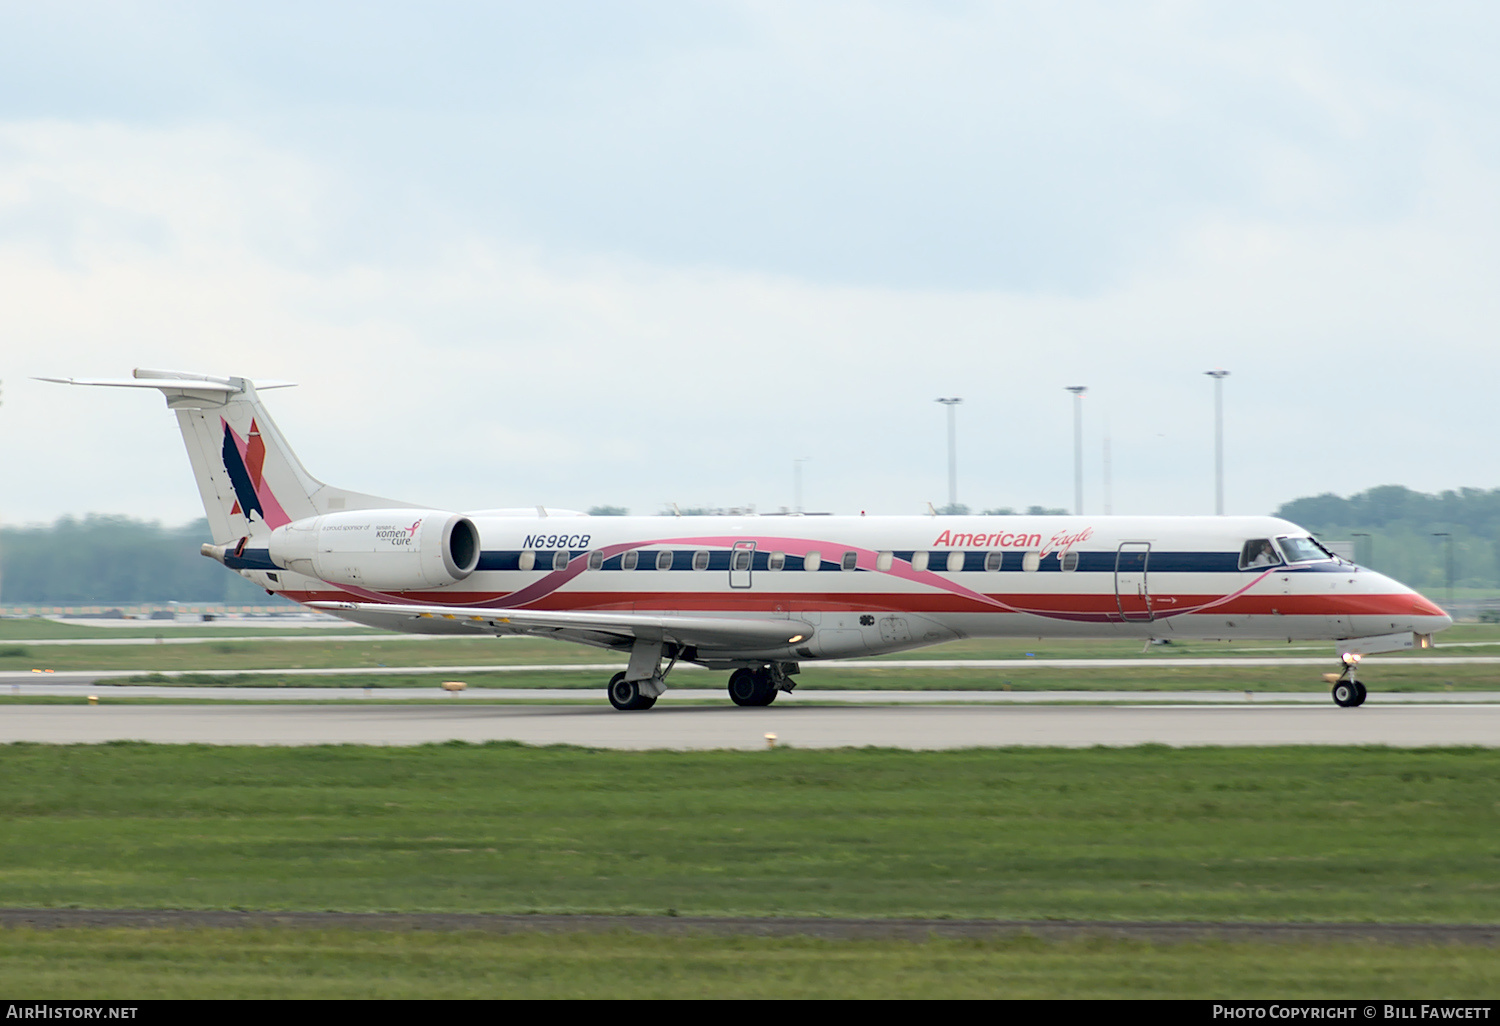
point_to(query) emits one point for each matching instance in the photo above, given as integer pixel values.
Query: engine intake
(380, 549)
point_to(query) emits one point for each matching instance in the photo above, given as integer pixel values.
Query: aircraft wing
(610, 630)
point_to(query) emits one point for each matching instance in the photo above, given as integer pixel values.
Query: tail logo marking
(244, 462)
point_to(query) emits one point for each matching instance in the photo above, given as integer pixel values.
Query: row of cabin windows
(741, 559)
(1030, 561)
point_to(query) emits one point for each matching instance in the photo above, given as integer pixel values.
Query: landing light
(796, 638)
(1350, 658)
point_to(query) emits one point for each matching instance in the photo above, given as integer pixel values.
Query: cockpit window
(1258, 552)
(1302, 550)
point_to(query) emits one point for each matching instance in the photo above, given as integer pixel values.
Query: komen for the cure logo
(398, 535)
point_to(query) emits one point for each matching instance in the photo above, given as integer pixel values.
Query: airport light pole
(952, 453)
(1218, 376)
(1449, 538)
(1109, 502)
(797, 482)
(1369, 546)
(1077, 391)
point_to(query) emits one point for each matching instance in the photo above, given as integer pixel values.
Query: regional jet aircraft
(760, 595)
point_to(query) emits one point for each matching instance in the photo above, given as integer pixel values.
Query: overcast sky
(643, 253)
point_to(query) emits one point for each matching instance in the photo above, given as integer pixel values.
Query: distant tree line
(115, 560)
(1395, 531)
(97, 560)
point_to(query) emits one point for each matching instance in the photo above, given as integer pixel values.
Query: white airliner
(759, 595)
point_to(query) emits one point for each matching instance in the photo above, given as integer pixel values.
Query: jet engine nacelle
(380, 549)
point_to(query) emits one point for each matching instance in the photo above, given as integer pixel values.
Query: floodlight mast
(1077, 391)
(952, 453)
(1218, 376)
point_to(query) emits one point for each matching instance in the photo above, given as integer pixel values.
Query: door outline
(1132, 583)
(742, 578)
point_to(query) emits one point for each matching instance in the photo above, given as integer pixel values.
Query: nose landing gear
(1348, 693)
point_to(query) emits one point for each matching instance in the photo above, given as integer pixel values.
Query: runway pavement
(80, 684)
(801, 722)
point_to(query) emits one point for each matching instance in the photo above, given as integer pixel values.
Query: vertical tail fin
(250, 480)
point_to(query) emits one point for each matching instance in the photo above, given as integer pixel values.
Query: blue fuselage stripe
(502, 560)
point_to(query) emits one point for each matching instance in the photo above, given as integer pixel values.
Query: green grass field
(405, 650)
(1145, 833)
(220, 660)
(1293, 834)
(357, 964)
(27, 628)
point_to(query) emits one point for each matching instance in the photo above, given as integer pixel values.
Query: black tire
(743, 689)
(752, 687)
(626, 696)
(1346, 694)
(766, 687)
(1360, 694)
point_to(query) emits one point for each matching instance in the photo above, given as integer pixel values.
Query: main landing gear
(1348, 693)
(632, 694)
(640, 684)
(644, 681)
(752, 687)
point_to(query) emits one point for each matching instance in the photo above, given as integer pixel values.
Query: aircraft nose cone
(1422, 607)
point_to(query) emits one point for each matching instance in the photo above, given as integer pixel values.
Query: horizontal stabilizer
(170, 379)
(250, 481)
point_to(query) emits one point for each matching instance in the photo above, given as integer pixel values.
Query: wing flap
(702, 631)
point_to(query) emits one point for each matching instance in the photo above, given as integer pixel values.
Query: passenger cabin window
(664, 559)
(528, 559)
(1031, 562)
(883, 560)
(1302, 550)
(700, 560)
(1258, 552)
(776, 561)
(560, 559)
(596, 560)
(812, 561)
(850, 561)
(992, 560)
(630, 560)
(1069, 562)
(955, 561)
(742, 559)
(919, 560)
